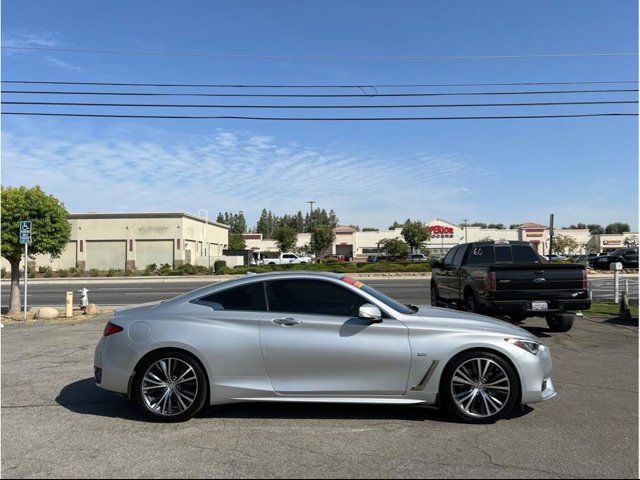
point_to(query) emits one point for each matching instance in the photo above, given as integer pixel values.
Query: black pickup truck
(510, 279)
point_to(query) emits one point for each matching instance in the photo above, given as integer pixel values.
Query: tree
(321, 239)
(631, 241)
(478, 224)
(595, 229)
(286, 238)
(497, 226)
(564, 244)
(514, 225)
(394, 247)
(395, 225)
(236, 242)
(370, 229)
(50, 226)
(617, 227)
(415, 234)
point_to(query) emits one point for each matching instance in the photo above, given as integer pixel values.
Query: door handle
(287, 321)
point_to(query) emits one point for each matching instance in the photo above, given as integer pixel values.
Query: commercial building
(444, 236)
(122, 241)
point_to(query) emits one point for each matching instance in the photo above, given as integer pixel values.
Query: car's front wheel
(170, 387)
(479, 387)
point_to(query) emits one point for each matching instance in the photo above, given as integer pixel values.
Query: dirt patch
(78, 316)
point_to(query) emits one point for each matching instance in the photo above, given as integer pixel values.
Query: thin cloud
(234, 170)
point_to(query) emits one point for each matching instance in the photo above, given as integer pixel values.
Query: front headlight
(528, 345)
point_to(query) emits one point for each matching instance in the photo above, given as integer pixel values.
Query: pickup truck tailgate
(539, 282)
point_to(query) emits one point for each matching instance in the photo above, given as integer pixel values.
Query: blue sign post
(25, 238)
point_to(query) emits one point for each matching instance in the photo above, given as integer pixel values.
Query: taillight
(585, 280)
(110, 329)
(491, 282)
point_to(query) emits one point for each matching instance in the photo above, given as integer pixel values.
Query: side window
(457, 261)
(448, 259)
(288, 256)
(481, 255)
(312, 297)
(246, 298)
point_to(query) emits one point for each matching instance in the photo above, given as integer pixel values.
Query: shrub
(165, 269)
(63, 272)
(111, 272)
(48, 273)
(150, 269)
(218, 264)
(95, 272)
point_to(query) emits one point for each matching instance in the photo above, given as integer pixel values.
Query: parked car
(595, 260)
(312, 337)
(375, 258)
(555, 258)
(287, 258)
(510, 279)
(416, 257)
(627, 256)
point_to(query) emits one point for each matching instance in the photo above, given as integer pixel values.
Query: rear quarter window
(481, 255)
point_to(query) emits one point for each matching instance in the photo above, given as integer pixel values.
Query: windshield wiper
(413, 308)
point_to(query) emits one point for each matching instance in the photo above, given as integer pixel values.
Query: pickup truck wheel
(272, 263)
(479, 387)
(470, 303)
(560, 323)
(518, 317)
(435, 302)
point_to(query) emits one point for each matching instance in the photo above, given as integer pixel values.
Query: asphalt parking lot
(56, 423)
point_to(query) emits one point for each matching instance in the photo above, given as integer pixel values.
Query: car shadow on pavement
(84, 397)
(327, 411)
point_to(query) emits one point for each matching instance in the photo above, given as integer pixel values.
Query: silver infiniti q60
(310, 337)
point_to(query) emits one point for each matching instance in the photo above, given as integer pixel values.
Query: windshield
(397, 306)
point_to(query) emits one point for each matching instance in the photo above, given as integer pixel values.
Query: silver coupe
(312, 337)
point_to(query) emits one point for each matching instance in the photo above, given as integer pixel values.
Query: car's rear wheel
(170, 386)
(479, 387)
(560, 323)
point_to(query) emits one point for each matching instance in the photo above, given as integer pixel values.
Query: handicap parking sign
(25, 231)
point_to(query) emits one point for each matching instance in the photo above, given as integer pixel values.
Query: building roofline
(91, 216)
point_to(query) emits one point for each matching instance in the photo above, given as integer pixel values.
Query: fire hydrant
(84, 298)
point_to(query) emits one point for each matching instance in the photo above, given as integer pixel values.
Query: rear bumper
(113, 364)
(512, 307)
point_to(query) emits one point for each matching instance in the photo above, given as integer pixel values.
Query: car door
(457, 274)
(313, 342)
(447, 278)
(236, 312)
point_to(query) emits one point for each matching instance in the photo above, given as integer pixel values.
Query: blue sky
(370, 173)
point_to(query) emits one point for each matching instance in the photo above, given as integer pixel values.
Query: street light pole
(311, 202)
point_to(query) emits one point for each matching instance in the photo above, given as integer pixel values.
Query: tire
(435, 300)
(518, 317)
(183, 399)
(272, 263)
(473, 400)
(470, 303)
(560, 323)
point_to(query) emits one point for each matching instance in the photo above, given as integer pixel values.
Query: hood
(454, 319)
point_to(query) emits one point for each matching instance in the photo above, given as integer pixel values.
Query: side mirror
(370, 312)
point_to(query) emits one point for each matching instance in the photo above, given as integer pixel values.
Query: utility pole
(465, 230)
(550, 237)
(311, 202)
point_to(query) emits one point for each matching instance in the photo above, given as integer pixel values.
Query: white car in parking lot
(287, 259)
(311, 337)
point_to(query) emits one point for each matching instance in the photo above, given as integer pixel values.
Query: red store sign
(440, 231)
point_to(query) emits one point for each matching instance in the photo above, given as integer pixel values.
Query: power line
(320, 119)
(362, 85)
(431, 105)
(320, 57)
(316, 95)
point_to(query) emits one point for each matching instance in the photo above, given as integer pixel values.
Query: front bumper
(535, 376)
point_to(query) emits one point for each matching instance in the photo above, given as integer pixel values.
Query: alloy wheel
(169, 387)
(480, 387)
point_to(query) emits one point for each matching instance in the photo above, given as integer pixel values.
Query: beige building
(122, 241)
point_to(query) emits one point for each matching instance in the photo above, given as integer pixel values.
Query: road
(415, 291)
(57, 423)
